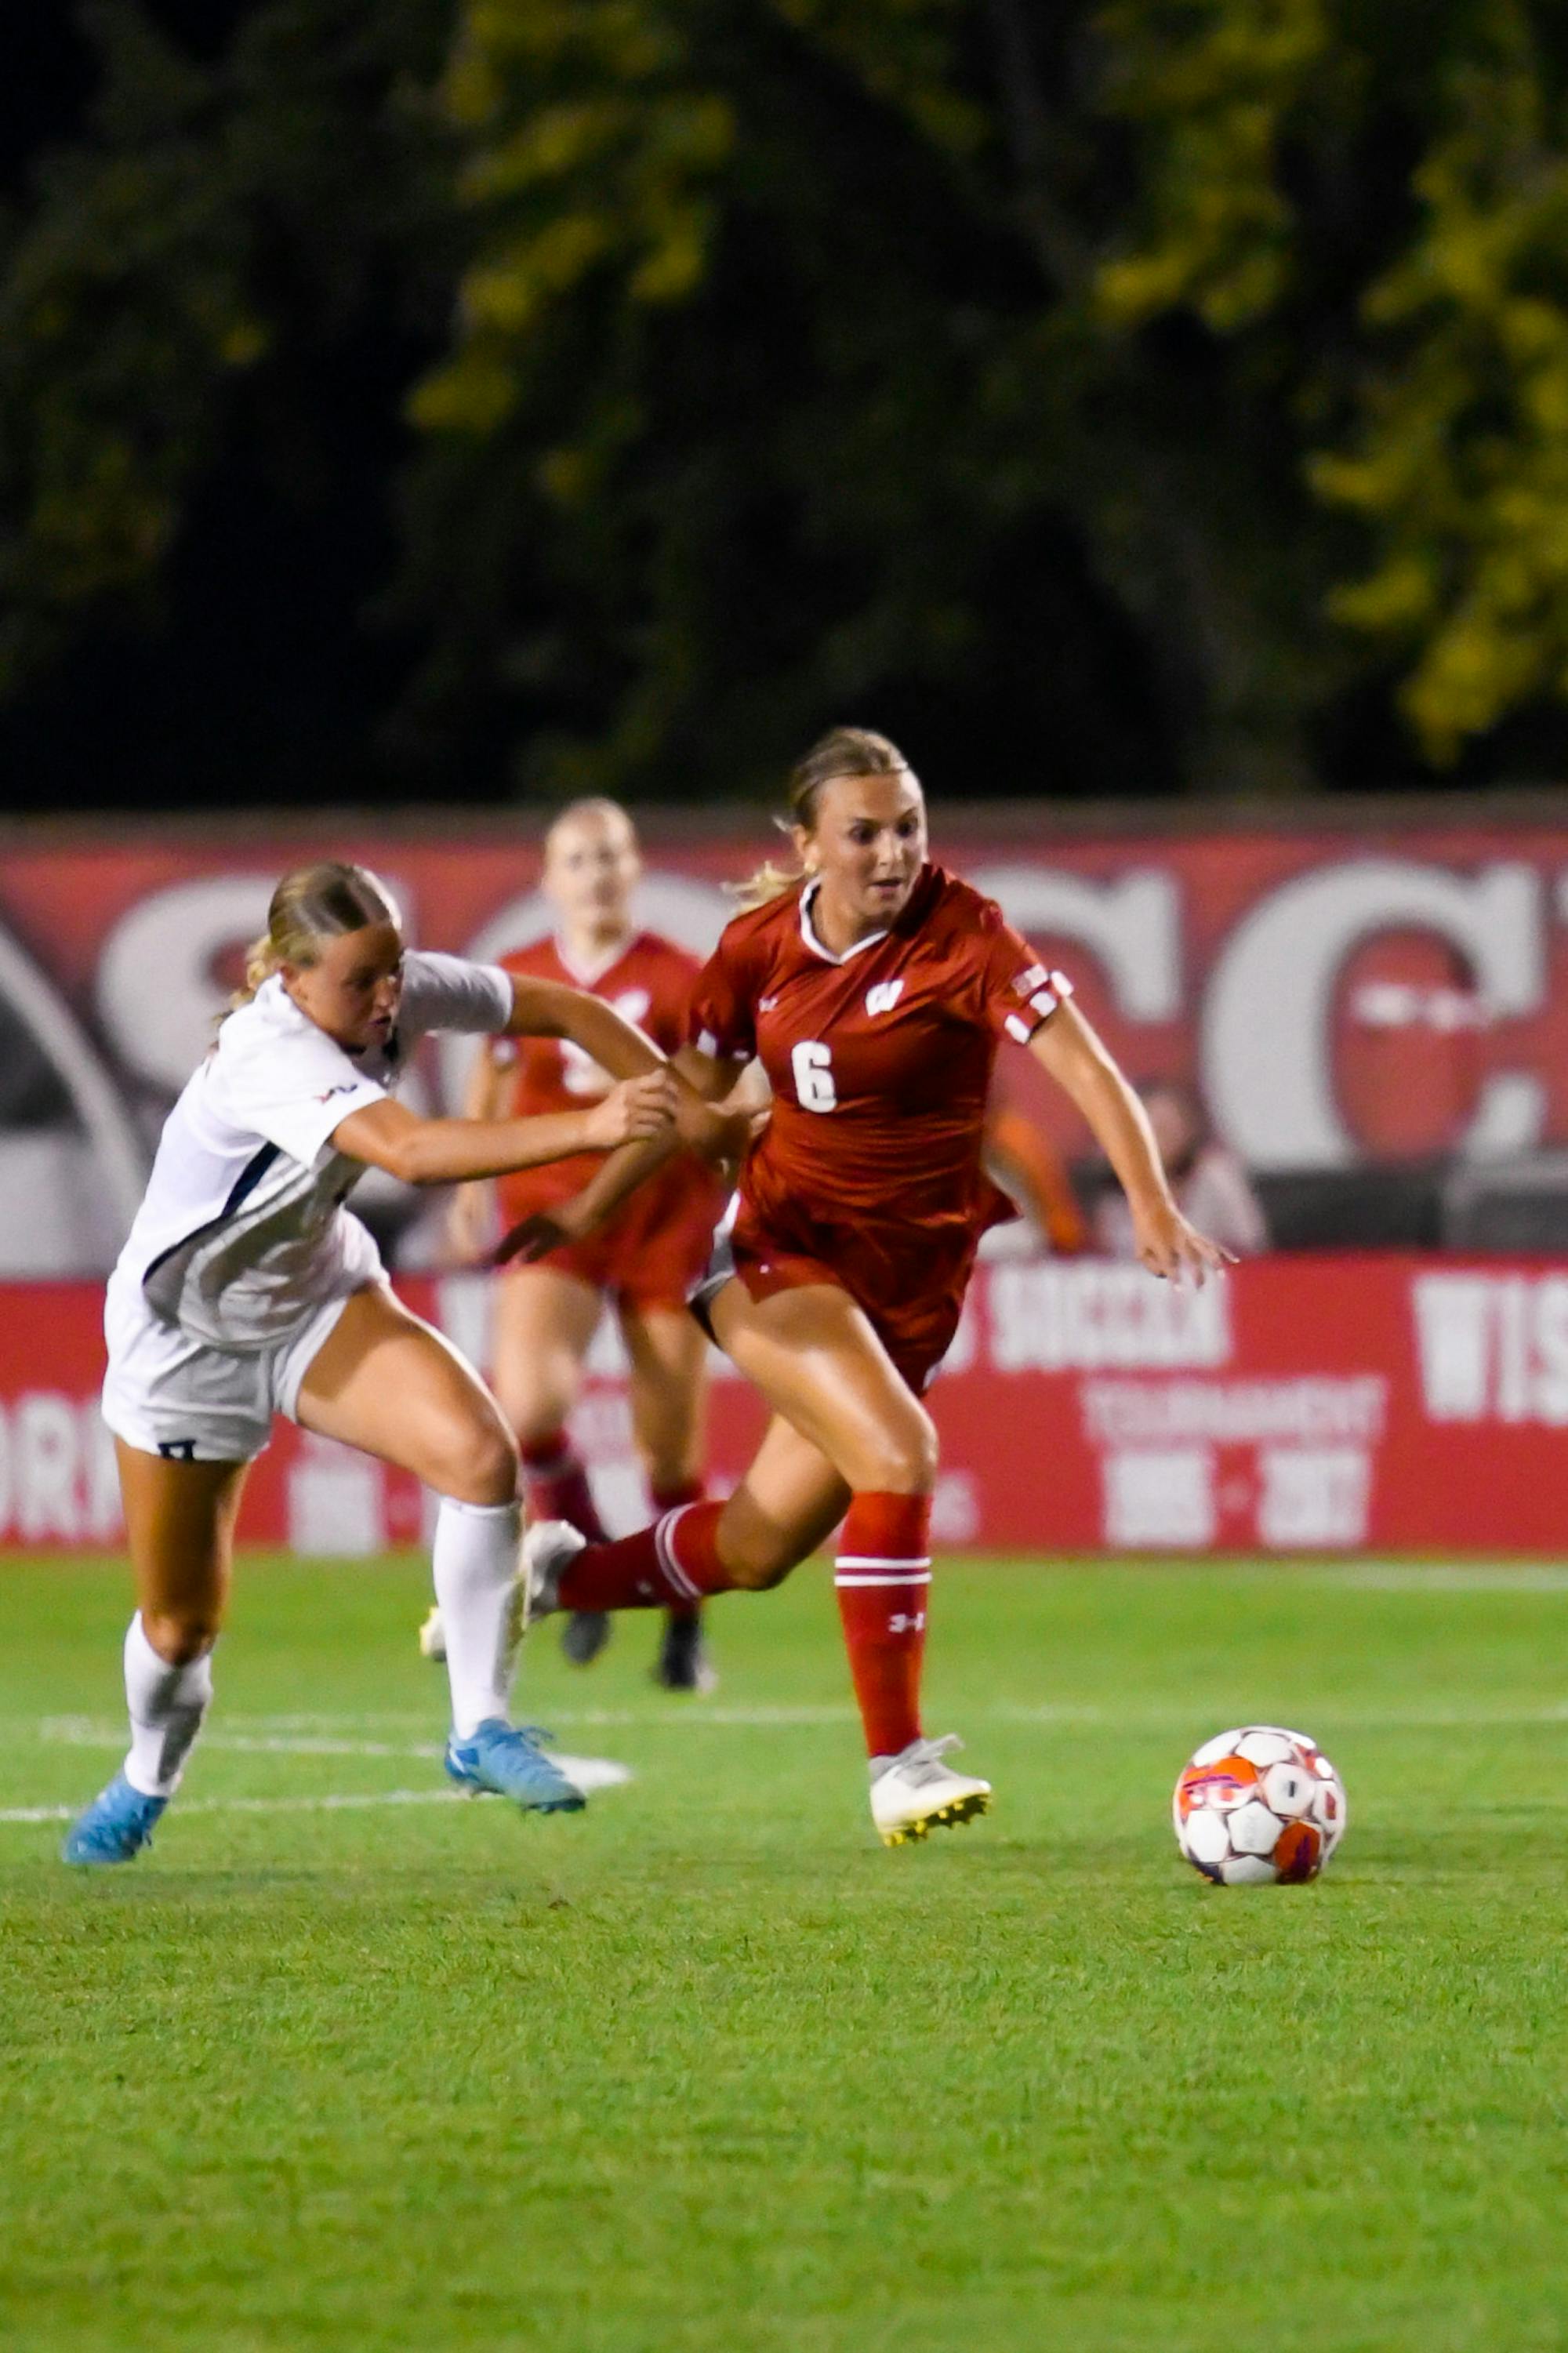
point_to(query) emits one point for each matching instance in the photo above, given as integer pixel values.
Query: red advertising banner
(1336, 997)
(1386, 1403)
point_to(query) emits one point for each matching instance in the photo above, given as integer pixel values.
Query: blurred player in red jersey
(875, 987)
(644, 1260)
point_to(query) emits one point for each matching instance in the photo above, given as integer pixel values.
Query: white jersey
(243, 1233)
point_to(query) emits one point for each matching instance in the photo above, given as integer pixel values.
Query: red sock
(669, 1498)
(675, 1560)
(555, 1485)
(882, 1577)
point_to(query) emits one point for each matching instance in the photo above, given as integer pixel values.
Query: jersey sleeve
(720, 1017)
(1017, 993)
(297, 1094)
(447, 992)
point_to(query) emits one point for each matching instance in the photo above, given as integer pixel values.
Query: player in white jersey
(247, 1289)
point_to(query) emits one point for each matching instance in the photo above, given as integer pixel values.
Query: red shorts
(914, 1316)
(653, 1251)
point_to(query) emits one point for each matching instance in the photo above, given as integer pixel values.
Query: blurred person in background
(247, 1289)
(642, 1264)
(1025, 1162)
(1211, 1188)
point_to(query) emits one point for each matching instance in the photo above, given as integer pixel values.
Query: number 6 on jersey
(813, 1067)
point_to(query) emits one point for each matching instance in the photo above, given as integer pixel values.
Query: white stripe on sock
(876, 1561)
(908, 1578)
(663, 1544)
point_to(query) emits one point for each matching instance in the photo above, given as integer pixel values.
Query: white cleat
(915, 1792)
(548, 1549)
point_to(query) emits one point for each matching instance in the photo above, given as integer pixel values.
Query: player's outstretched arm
(1078, 1060)
(703, 1123)
(548, 1008)
(388, 1134)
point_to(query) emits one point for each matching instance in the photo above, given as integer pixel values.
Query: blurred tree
(1134, 394)
(1412, 321)
(245, 251)
(781, 340)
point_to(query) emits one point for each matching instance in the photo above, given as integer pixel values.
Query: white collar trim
(588, 975)
(808, 932)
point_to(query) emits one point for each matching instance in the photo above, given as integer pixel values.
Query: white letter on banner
(102, 1516)
(1265, 1040)
(1551, 1349)
(1453, 1330)
(1078, 1318)
(157, 997)
(47, 1464)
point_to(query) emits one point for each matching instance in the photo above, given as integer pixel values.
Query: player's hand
(632, 1113)
(536, 1236)
(1171, 1248)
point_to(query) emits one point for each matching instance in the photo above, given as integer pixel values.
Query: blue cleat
(500, 1761)
(116, 1826)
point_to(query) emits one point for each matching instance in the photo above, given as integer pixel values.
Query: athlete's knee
(668, 1464)
(905, 1455)
(477, 1464)
(758, 1575)
(759, 1558)
(544, 1415)
(537, 1398)
(179, 1636)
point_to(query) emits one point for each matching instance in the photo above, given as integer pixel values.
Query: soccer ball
(1258, 1804)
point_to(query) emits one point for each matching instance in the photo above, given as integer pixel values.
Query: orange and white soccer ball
(1258, 1804)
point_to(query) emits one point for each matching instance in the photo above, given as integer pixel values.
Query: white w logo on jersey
(884, 997)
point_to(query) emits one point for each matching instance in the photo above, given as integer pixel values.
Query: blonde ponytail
(261, 961)
(313, 903)
(842, 752)
(770, 880)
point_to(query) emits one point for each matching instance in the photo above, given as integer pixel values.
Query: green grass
(707, 2071)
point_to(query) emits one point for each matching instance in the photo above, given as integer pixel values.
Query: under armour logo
(884, 997)
(766, 1004)
(177, 1449)
(913, 1624)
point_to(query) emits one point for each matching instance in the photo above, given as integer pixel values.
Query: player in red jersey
(875, 988)
(644, 1259)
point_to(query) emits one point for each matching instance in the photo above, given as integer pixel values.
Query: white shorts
(169, 1393)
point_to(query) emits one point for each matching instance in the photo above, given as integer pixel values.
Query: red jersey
(650, 982)
(880, 1062)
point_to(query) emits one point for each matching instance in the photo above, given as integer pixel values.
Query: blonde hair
(314, 902)
(842, 752)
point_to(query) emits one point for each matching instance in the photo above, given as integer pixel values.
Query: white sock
(475, 1563)
(167, 1704)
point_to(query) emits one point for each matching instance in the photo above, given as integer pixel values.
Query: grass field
(706, 2068)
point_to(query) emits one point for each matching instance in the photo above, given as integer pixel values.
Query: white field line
(81, 1732)
(589, 1773)
(339, 1735)
(89, 1732)
(323, 1805)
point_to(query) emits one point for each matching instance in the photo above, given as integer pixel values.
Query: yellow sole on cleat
(945, 1817)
